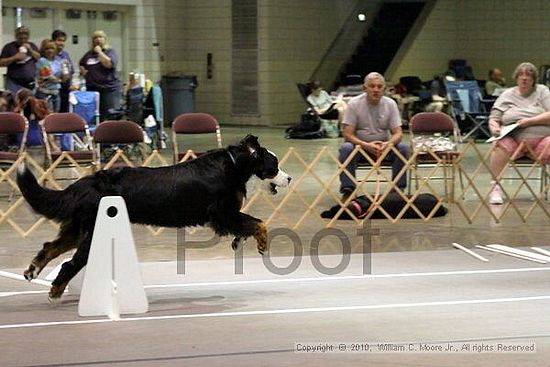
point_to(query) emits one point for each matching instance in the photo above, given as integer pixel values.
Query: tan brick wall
(294, 36)
(488, 33)
(503, 34)
(434, 46)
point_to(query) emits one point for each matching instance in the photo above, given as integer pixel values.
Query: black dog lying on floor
(208, 190)
(393, 204)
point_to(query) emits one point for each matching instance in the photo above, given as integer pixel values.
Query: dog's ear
(250, 142)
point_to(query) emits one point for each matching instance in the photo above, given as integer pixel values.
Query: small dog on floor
(208, 190)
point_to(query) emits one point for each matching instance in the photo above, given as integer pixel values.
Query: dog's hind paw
(31, 273)
(238, 243)
(54, 301)
(55, 293)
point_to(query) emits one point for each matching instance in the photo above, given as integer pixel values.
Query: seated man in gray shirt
(372, 121)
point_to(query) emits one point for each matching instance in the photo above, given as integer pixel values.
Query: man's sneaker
(495, 197)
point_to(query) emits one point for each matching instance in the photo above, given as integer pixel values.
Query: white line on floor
(347, 277)
(313, 279)
(17, 293)
(283, 311)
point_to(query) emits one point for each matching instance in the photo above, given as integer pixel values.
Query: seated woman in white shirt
(528, 105)
(325, 106)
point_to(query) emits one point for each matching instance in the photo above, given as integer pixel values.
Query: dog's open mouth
(280, 180)
(272, 188)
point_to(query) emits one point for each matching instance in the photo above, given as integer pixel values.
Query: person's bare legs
(500, 156)
(499, 159)
(542, 150)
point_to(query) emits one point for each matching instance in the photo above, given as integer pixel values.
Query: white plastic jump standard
(112, 282)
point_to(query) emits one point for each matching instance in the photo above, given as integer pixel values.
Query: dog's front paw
(261, 238)
(237, 243)
(262, 250)
(31, 273)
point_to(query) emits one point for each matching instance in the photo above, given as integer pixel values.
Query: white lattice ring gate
(315, 185)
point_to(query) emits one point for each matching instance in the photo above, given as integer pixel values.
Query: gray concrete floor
(417, 290)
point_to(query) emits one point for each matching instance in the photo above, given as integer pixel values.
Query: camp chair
(117, 136)
(11, 124)
(413, 84)
(417, 95)
(86, 105)
(193, 123)
(434, 137)
(305, 91)
(468, 108)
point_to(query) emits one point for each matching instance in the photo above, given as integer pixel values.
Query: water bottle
(82, 83)
(65, 68)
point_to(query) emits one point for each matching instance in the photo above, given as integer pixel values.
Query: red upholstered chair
(12, 123)
(117, 134)
(433, 125)
(193, 123)
(81, 141)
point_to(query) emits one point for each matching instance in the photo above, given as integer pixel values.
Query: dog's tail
(49, 203)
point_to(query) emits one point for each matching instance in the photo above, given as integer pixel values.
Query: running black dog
(208, 190)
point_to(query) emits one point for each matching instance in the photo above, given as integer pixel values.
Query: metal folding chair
(194, 123)
(434, 137)
(68, 123)
(117, 135)
(11, 124)
(526, 169)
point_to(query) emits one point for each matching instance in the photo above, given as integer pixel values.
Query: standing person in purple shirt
(20, 57)
(67, 68)
(98, 66)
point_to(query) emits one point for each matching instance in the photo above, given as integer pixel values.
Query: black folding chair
(468, 108)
